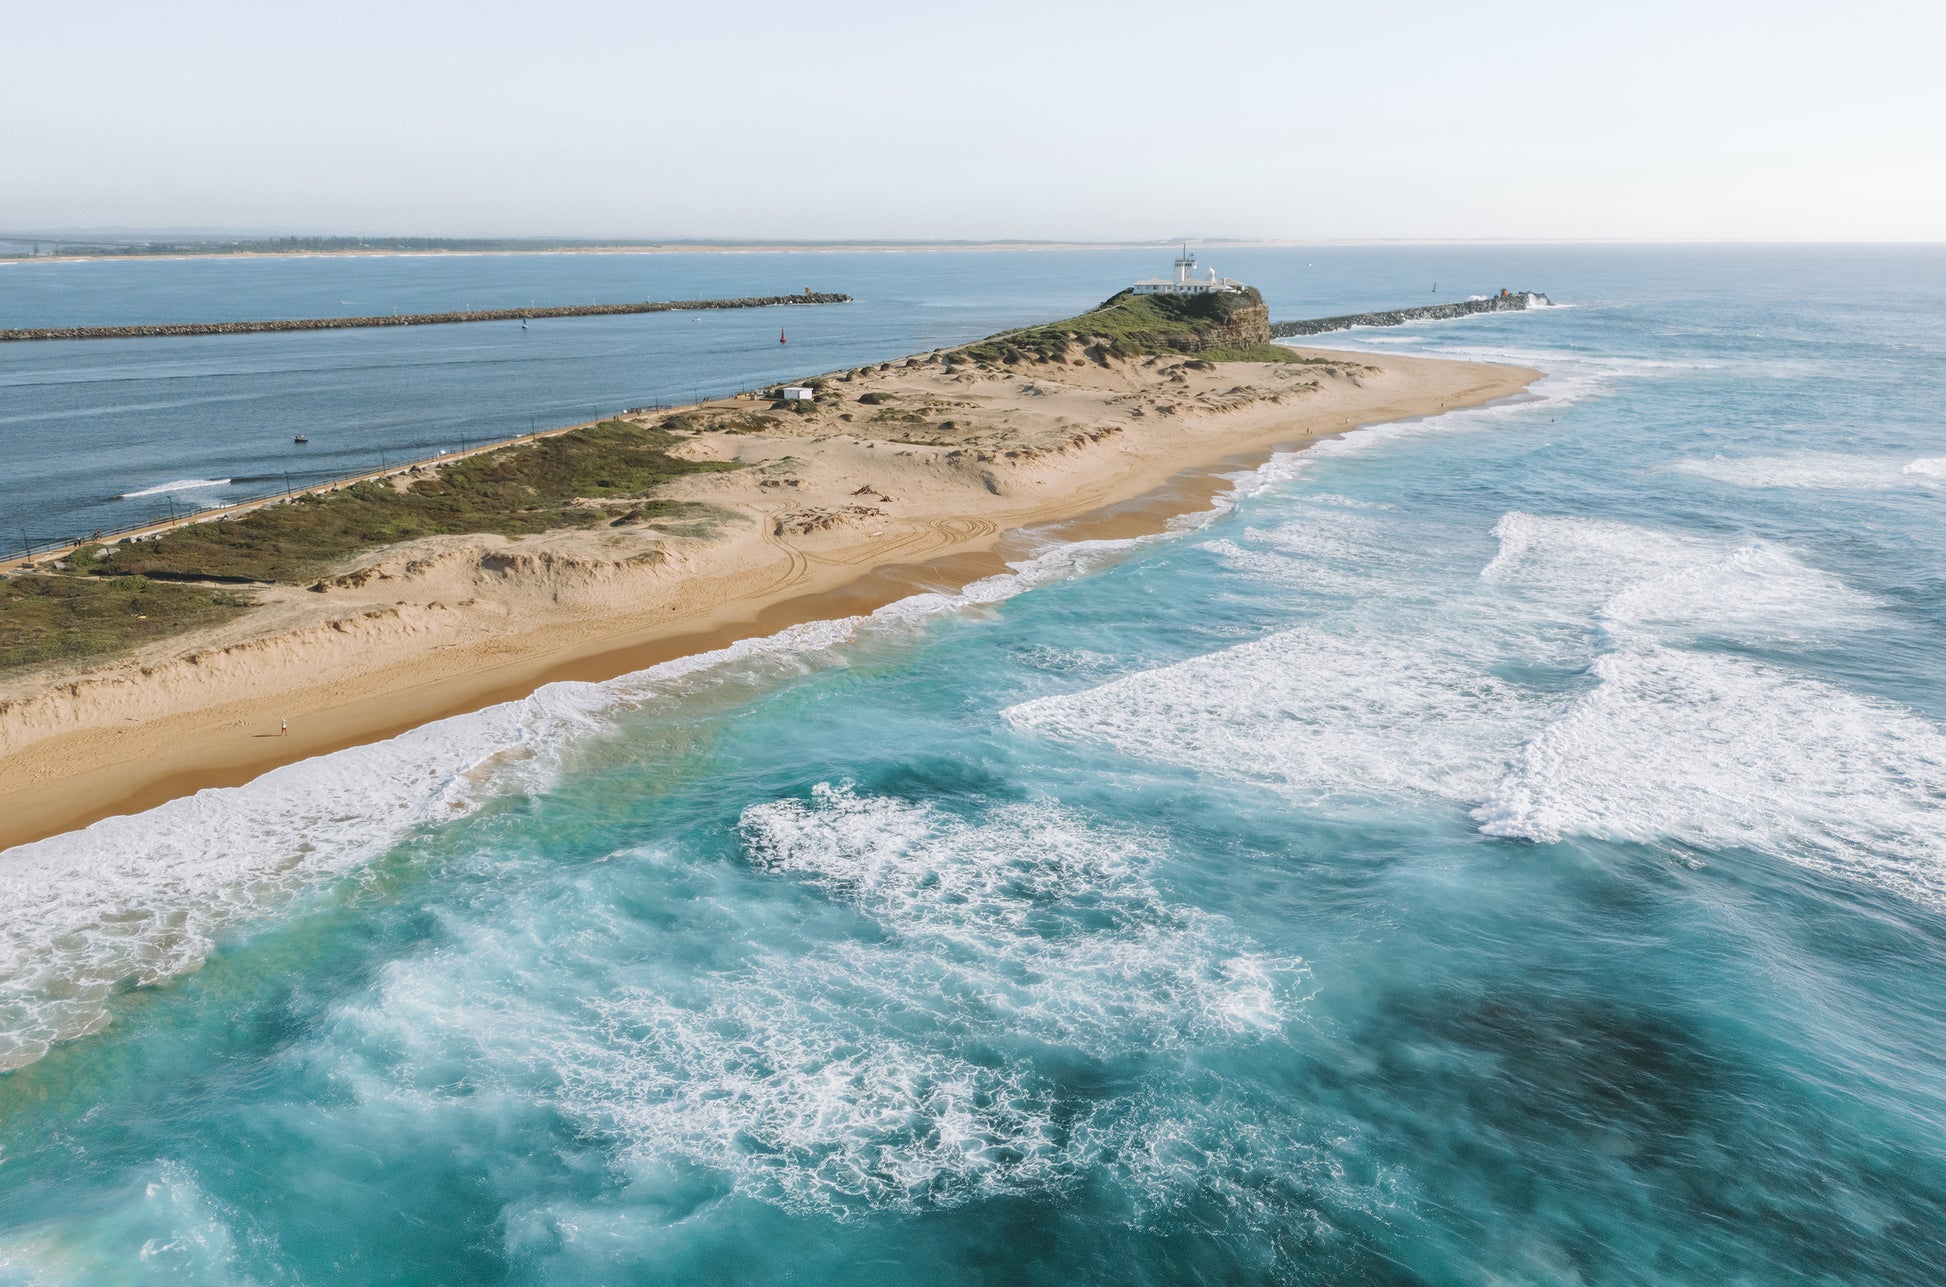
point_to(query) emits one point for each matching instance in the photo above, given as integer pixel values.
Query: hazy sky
(1046, 120)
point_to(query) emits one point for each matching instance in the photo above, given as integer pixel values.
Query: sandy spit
(835, 512)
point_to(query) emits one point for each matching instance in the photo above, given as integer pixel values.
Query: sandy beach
(835, 511)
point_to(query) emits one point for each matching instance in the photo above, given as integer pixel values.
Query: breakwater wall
(1510, 302)
(407, 319)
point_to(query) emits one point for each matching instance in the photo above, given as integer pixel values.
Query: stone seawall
(406, 319)
(1511, 302)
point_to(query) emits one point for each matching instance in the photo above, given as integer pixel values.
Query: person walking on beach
(283, 728)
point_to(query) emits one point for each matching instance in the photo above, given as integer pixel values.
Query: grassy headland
(1221, 327)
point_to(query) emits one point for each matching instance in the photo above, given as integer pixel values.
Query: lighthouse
(1186, 282)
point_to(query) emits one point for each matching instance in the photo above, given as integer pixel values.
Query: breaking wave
(1719, 751)
(180, 485)
(1648, 733)
(1818, 470)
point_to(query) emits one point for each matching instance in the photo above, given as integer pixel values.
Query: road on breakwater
(172, 329)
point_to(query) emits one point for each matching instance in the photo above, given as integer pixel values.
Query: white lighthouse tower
(1186, 282)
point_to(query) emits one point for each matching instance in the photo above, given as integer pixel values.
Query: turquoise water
(1509, 847)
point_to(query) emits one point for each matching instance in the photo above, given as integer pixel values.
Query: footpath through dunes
(175, 329)
(151, 668)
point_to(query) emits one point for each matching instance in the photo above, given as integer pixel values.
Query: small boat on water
(300, 439)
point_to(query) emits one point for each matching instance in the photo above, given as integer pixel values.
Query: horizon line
(126, 236)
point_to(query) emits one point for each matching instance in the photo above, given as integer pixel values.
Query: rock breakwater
(407, 319)
(1505, 302)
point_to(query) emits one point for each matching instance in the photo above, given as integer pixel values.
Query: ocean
(1507, 847)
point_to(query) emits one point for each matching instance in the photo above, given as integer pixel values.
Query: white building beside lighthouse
(1186, 282)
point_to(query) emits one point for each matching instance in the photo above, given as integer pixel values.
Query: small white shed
(799, 393)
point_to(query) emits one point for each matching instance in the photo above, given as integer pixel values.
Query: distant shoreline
(667, 248)
(934, 247)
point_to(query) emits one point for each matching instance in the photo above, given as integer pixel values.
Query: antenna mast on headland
(1185, 265)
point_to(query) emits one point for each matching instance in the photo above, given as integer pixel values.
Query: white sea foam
(1313, 713)
(1756, 594)
(1542, 399)
(1567, 378)
(1032, 886)
(832, 1074)
(1584, 560)
(799, 1105)
(1819, 470)
(1324, 532)
(180, 485)
(1631, 579)
(135, 900)
(1380, 698)
(1325, 546)
(1706, 748)
(1720, 751)
(1345, 502)
(1383, 697)
(1315, 537)
(1271, 568)
(1577, 367)
(1022, 924)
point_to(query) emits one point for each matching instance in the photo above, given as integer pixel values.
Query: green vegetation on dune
(731, 422)
(586, 478)
(45, 620)
(1128, 325)
(108, 599)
